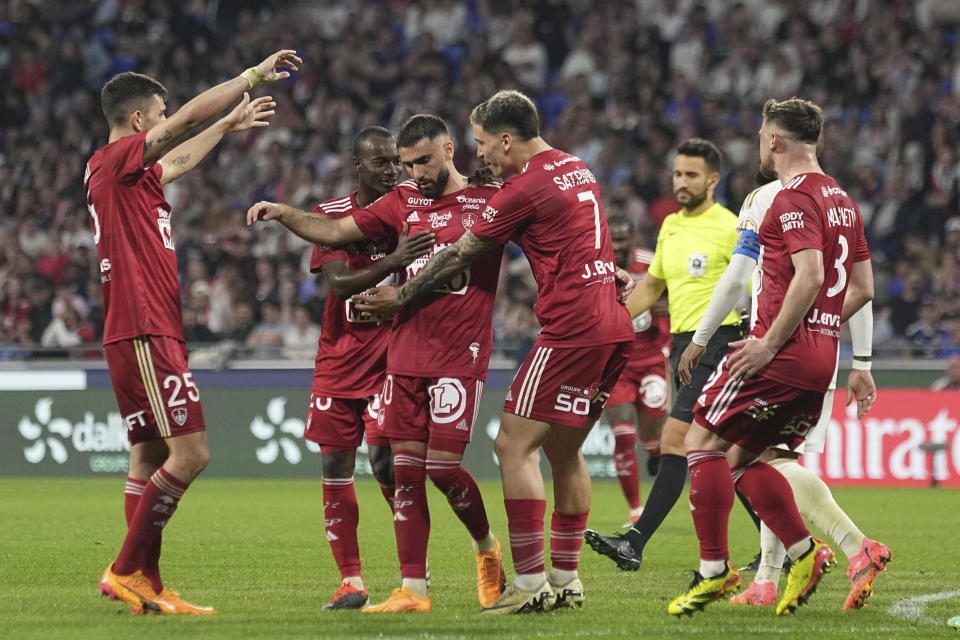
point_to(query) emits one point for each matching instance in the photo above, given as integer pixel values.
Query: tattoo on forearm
(444, 265)
(167, 135)
(181, 161)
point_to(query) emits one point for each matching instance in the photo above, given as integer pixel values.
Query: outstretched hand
(378, 303)
(263, 211)
(860, 387)
(250, 113)
(270, 68)
(688, 361)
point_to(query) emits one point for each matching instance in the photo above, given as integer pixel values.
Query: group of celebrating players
(406, 339)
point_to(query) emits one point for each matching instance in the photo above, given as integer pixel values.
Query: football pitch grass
(256, 550)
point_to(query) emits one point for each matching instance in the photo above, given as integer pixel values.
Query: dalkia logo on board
(53, 438)
(274, 432)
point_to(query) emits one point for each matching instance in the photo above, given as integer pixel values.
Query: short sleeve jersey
(448, 332)
(130, 218)
(651, 332)
(553, 211)
(352, 354)
(810, 212)
(692, 253)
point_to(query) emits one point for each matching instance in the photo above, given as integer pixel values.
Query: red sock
(651, 446)
(711, 494)
(411, 517)
(388, 490)
(566, 537)
(525, 523)
(771, 497)
(341, 515)
(462, 494)
(625, 460)
(157, 504)
(131, 498)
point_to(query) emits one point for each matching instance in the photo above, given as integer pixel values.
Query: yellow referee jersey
(691, 254)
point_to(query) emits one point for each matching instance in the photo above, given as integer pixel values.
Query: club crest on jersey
(179, 415)
(697, 265)
(468, 219)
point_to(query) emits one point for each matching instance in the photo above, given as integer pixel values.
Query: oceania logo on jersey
(832, 191)
(439, 220)
(461, 199)
(490, 213)
(419, 202)
(468, 219)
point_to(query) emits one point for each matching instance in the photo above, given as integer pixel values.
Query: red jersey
(810, 212)
(131, 226)
(552, 210)
(651, 342)
(351, 354)
(449, 332)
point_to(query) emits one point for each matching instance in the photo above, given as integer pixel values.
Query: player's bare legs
(381, 462)
(649, 431)
(447, 473)
(623, 421)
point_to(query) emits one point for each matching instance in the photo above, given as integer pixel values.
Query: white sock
(771, 556)
(560, 577)
(817, 505)
(529, 581)
(797, 549)
(417, 585)
(712, 568)
(636, 513)
(355, 581)
(486, 544)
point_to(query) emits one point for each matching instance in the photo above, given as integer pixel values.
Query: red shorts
(155, 389)
(337, 424)
(421, 409)
(566, 385)
(645, 387)
(757, 413)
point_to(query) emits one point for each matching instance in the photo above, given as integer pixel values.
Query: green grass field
(256, 550)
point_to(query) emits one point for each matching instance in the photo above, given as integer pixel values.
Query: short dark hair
(420, 126)
(367, 134)
(621, 220)
(126, 92)
(508, 111)
(800, 118)
(700, 148)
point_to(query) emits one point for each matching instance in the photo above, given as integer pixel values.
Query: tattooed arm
(384, 302)
(245, 115)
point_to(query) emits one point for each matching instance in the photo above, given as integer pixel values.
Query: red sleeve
(507, 211)
(799, 220)
(861, 252)
(323, 254)
(383, 219)
(124, 158)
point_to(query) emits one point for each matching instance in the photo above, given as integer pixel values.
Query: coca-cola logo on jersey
(468, 219)
(439, 220)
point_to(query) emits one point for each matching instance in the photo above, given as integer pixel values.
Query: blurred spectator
(951, 380)
(193, 331)
(300, 340)
(267, 335)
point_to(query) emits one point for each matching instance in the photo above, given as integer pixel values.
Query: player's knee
(381, 462)
(338, 464)
(443, 477)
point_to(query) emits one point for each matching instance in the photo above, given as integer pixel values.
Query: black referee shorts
(716, 349)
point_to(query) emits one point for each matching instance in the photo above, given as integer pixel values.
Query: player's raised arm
(318, 229)
(245, 115)
(214, 100)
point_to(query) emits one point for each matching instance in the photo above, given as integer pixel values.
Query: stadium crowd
(619, 83)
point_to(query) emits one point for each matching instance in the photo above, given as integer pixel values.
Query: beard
(766, 172)
(694, 199)
(434, 188)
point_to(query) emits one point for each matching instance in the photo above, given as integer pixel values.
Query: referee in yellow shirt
(693, 249)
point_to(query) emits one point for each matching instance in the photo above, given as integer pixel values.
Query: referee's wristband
(861, 365)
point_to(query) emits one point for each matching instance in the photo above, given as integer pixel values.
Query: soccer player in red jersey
(551, 208)
(814, 274)
(638, 402)
(437, 354)
(143, 333)
(352, 358)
